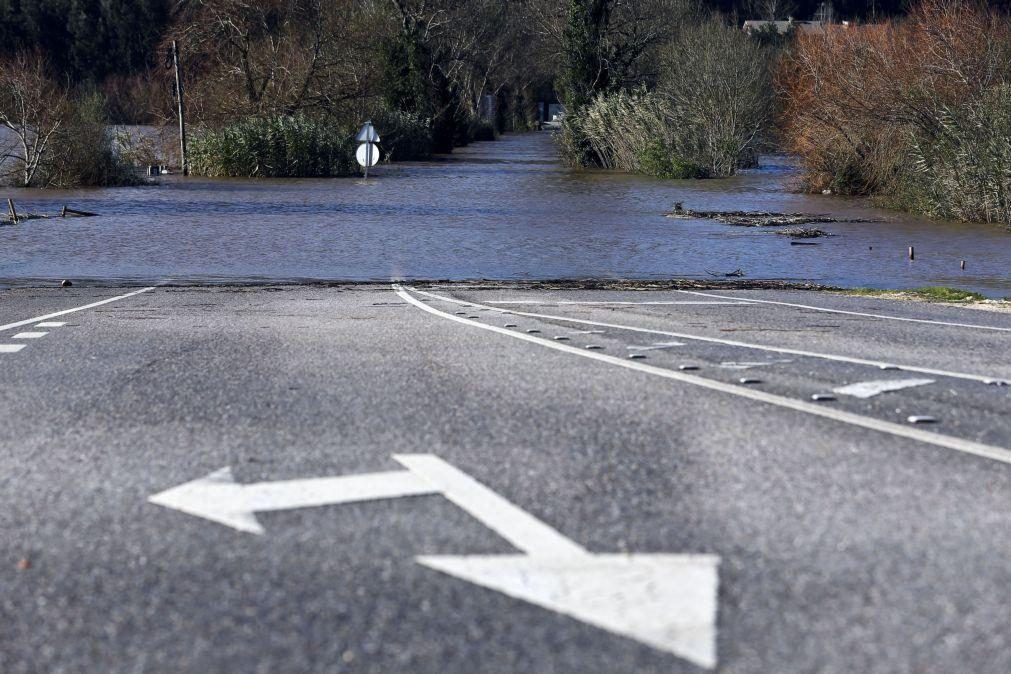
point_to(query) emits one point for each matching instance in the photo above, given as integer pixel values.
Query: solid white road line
(730, 342)
(869, 389)
(30, 335)
(517, 526)
(603, 303)
(11, 348)
(30, 321)
(936, 439)
(50, 324)
(852, 313)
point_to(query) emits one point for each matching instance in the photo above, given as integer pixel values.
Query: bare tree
(33, 107)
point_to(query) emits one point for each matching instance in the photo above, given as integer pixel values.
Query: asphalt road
(849, 539)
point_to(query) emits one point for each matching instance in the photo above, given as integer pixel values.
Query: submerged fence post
(182, 117)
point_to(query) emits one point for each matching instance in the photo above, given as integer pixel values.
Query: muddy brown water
(504, 210)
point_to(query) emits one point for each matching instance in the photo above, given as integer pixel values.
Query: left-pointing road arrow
(219, 498)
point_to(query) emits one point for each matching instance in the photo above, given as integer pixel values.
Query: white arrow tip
(215, 497)
(665, 601)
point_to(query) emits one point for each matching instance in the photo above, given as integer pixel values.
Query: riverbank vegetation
(916, 112)
(53, 137)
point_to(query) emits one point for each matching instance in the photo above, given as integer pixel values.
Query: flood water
(500, 210)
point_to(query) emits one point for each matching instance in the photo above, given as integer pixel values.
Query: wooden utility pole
(182, 115)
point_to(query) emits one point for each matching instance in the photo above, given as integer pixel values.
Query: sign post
(368, 152)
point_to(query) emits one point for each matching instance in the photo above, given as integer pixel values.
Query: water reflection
(502, 210)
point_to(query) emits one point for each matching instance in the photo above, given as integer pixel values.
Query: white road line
(659, 346)
(30, 321)
(603, 303)
(748, 365)
(30, 335)
(869, 389)
(11, 348)
(50, 324)
(854, 313)
(746, 345)
(958, 444)
(517, 526)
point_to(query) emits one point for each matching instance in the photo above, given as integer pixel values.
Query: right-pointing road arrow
(665, 601)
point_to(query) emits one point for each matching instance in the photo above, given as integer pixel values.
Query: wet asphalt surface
(842, 548)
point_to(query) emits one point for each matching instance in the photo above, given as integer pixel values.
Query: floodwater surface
(504, 210)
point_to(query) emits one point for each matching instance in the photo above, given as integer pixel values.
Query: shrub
(915, 112)
(480, 130)
(704, 118)
(406, 136)
(296, 146)
(84, 150)
(659, 160)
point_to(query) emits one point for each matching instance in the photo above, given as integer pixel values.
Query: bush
(704, 118)
(84, 150)
(917, 113)
(295, 147)
(480, 130)
(406, 136)
(658, 160)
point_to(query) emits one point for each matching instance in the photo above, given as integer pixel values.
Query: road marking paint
(30, 321)
(665, 601)
(219, 498)
(726, 303)
(524, 531)
(949, 442)
(656, 346)
(30, 335)
(731, 342)
(749, 364)
(50, 324)
(11, 348)
(668, 602)
(854, 313)
(869, 389)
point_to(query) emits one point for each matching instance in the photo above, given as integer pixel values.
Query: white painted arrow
(662, 600)
(219, 498)
(665, 601)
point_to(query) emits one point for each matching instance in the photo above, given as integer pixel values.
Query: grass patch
(943, 294)
(930, 293)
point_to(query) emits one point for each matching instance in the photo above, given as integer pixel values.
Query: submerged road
(450, 479)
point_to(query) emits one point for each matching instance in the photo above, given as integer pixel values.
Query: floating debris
(753, 218)
(737, 273)
(14, 216)
(803, 233)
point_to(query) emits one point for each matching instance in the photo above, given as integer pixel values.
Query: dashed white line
(657, 346)
(748, 364)
(30, 335)
(888, 317)
(11, 348)
(57, 314)
(730, 342)
(50, 324)
(936, 439)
